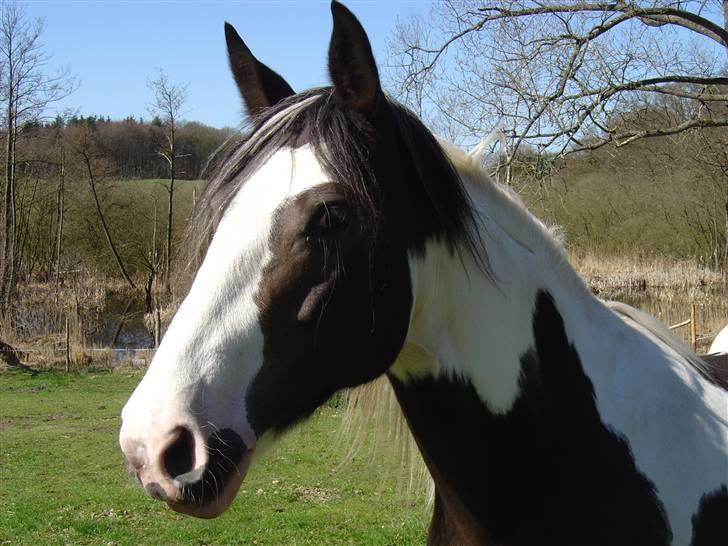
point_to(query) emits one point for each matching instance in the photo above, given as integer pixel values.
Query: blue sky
(113, 47)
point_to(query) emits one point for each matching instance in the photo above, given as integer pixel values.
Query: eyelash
(328, 220)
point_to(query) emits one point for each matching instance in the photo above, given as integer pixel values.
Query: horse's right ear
(352, 67)
(259, 86)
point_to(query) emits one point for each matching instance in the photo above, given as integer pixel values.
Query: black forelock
(345, 143)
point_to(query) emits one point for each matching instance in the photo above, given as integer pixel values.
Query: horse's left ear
(351, 62)
(259, 86)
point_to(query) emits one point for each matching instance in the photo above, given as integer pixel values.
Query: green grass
(157, 187)
(62, 479)
(179, 183)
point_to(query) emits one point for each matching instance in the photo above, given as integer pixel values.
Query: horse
(348, 243)
(720, 343)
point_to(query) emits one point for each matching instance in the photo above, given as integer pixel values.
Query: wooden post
(157, 327)
(68, 347)
(693, 329)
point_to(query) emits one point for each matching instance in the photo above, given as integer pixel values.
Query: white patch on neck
(475, 326)
(468, 326)
(676, 422)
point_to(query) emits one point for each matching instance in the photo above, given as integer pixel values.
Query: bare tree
(169, 100)
(565, 77)
(151, 262)
(26, 90)
(561, 73)
(92, 162)
(55, 267)
(709, 151)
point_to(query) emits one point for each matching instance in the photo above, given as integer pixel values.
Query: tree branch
(662, 16)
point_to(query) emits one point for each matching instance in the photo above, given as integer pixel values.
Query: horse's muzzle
(192, 476)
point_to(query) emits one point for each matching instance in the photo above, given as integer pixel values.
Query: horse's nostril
(179, 457)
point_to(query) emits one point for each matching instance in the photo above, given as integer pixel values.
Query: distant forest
(131, 145)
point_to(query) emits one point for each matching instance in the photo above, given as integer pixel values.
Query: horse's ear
(259, 86)
(351, 62)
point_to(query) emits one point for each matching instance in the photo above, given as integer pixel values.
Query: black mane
(344, 144)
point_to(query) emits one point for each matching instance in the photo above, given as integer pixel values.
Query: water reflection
(115, 321)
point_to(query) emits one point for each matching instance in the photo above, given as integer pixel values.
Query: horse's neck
(461, 369)
(497, 399)
(508, 380)
(467, 324)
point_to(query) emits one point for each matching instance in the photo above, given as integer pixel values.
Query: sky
(113, 48)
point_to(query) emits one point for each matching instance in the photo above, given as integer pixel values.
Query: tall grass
(605, 273)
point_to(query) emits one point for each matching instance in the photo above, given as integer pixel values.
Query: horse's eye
(329, 219)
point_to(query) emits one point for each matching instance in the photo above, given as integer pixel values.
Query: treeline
(132, 145)
(91, 197)
(92, 181)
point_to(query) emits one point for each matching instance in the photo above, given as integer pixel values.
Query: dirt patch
(316, 493)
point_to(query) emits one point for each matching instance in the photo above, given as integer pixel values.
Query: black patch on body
(716, 369)
(710, 523)
(547, 472)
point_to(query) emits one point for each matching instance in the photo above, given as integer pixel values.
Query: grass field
(62, 479)
(183, 186)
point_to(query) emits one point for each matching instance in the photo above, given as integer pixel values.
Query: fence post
(693, 329)
(68, 347)
(157, 327)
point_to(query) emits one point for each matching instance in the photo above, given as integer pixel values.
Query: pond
(107, 320)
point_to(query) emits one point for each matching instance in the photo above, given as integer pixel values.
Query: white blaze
(214, 345)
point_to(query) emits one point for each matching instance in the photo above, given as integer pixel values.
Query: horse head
(305, 288)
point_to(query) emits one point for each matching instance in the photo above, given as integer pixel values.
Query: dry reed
(607, 273)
